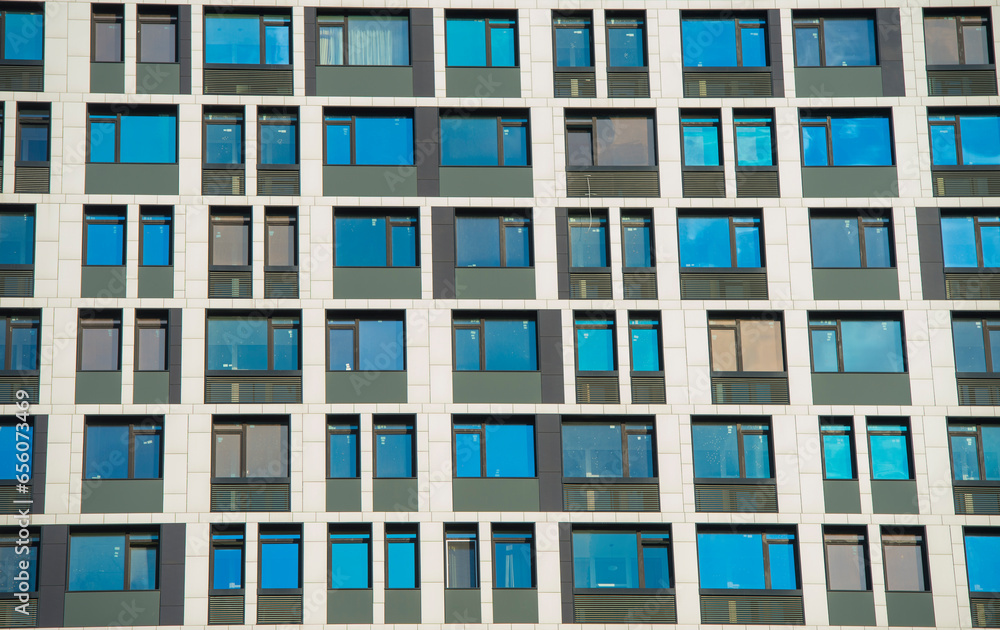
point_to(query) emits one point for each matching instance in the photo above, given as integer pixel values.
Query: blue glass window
(11, 557)
(493, 240)
(746, 344)
(975, 451)
(971, 139)
(611, 559)
(17, 237)
(375, 39)
(371, 240)
(227, 558)
(595, 344)
(481, 41)
(977, 344)
(123, 451)
(280, 559)
(573, 41)
(343, 447)
(32, 133)
(596, 449)
(250, 450)
(401, 566)
(851, 242)
(104, 238)
(588, 240)
(495, 344)
(15, 452)
(737, 560)
(513, 558)
(369, 343)
(971, 240)
(889, 449)
(857, 345)
(847, 41)
(837, 437)
(97, 562)
(982, 559)
(461, 556)
(223, 138)
(842, 140)
(277, 139)
(702, 140)
(369, 140)
(709, 241)
(731, 450)
(626, 41)
(350, 559)
(395, 449)
(754, 140)
(156, 242)
(134, 137)
(23, 34)
(20, 346)
(241, 343)
(637, 240)
(724, 42)
(236, 39)
(476, 141)
(494, 449)
(602, 140)
(644, 342)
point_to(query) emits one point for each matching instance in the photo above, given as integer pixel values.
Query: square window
(599, 447)
(494, 448)
(123, 448)
(503, 342)
(395, 447)
(99, 341)
(375, 239)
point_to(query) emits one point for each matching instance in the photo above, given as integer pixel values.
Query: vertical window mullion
(482, 344)
(356, 332)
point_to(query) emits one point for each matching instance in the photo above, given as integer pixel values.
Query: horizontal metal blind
(628, 84)
(972, 286)
(752, 609)
(612, 184)
(230, 284)
(575, 85)
(749, 390)
(11, 618)
(717, 497)
(225, 609)
(10, 384)
(966, 183)
(612, 497)
(281, 284)
(703, 184)
(590, 286)
(723, 286)
(648, 390)
(277, 609)
(278, 183)
(253, 389)
(624, 608)
(223, 181)
(21, 78)
(31, 179)
(757, 184)
(977, 500)
(640, 286)
(962, 82)
(17, 282)
(248, 81)
(722, 84)
(985, 612)
(251, 497)
(978, 391)
(595, 390)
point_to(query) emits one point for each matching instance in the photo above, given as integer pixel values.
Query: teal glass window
(982, 559)
(977, 344)
(720, 241)
(17, 236)
(142, 135)
(489, 240)
(484, 141)
(588, 240)
(731, 450)
(975, 451)
(343, 448)
(23, 33)
(32, 133)
(250, 450)
(280, 559)
(595, 344)
(702, 140)
(104, 237)
(375, 240)
(350, 558)
(513, 557)
(889, 450)
(626, 40)
(155, 236)
(502, 344)
(724, 41)
(227, 557)
(614, 559)
(644, 343)
(501, 448)
(395, 448)
(747, 559)
(834, 41)
(15, 451)
(376, 38)
(480, 40)
(277, 139)
(837, 443)
(246, 39)
(755, 144)
(13, 551)
(123, 450)
(965, 139)
(857, 345)
(112, 561)
(251, 342)
(845, 140)
(862, 241)
(223, 137)
(606, 448)
(637, 240)
(402, 567)
(461, 556)
(603, 140)
(369, 342)
(574, 41)
(369, 140)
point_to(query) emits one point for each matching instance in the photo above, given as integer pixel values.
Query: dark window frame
(745, 118)
(738, 422)
(984, 319)
(977, 225)
(265, 17)
(107, 14)
(738, 218)
(99, 320)
(353, 113)
(230, 426)
(598, 316)
(292, 529)
(458, 322)
(335, 424)
(735, 16)
(763, 531)
(156, 215)
(230, 215)
(977, 424)
(278, 117)
(281, 215)
(35, 115)
(394, 424)
(527, 532)
(702, 118)
(271, 328)
(839, 317)
(463, 532)
(851, 436)
(11, 539)
(402, 217)
(485, 421)
(100, 114)
(664, 539)
(866, 217)
(633, 319)
(896, 535)
(363, 531)
(6, 317)
(834, 535)
(136, 426)
(22, 7)
(642, 218)
(594, 218)
(146, 319)
(128, 532)
(715, 316)
(235, 116)
(505, 119)
(633, 426)
(907, 434)
(798, 21)
(329, 17)
(214, 544)
(358, 317)
(585, 121)
(962, 16)
(956, 126)
(641, 23)
(20, 210)
(513, 217)
(487, 15)
(860, 112)
(153, 14)
(585, 20)
(105, 215)
(413, 531)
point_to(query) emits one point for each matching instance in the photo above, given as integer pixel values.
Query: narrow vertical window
(462, 556)
(402, 559)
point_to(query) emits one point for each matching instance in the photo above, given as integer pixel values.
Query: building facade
(537, 313)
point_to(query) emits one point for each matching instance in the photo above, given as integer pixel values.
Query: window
(971, 240)
(32, 134)
(150, 341)
(857, 345)
(904, 557)
(350, 556)
(252, 342)
(384, 139)
(106, 561)
(107, 43)
(834, 41)
(732, 450)
(847, 140)
(223, 138)
(847, 564)
(476, 140)
(606, 140)
(156, 243)
(245, 39)
(143, 135)
(375, 240)
(17, 235)
(15, 454)
(644, 342)
(977, 344)
(343, 448)
(23, 26)
(395, 447)
(889, 449)
(837, 441)
(588, 239)
(965, 139)
(157, 34)
(493, 240)
(626, 40)
(702, 135)
(495, 343)
(494, 448)
(230, 238)
(369, 342)
(724, 41)
(851, 241)
(982, 548)
(280, 238)
(975, 450)
(20, 342)
(251, 450)
(123, 449)
(374, 39)
(748, 558)
(277, 139)
(12, 559)
(708, 241)
(755, 139)
(608, 448)
(573, 41)
(637, 240)
(104, 236)
(402, 560)
(746, 344)
(513, 557)
(99, 347)
(480, 40)
(621, 558)
(958, 39)
(462, 556)
(280, 558)
(595, 343)
(228, 546)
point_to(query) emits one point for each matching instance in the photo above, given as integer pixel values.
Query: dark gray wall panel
(309, 48)
(931, 253)
(184, 41)
(422, 47)
(174, 355)
(562, 252)
(427, 156)
(890, 51)
(549, 444)
(443, 246)
(774, 51)
(566, 570)
(39, 446)
(52, 557)
(172, 544)
(550, 351)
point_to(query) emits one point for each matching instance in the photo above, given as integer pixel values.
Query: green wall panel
(151, 387)
(111, 608)
(102, 282)
(156, 282)
(515, 605)
(497, 387)
(495, 283)
(158, 78)
(359, 386)
(494, 495)
(343, 495)
(394, 495)
(483, 82)
(376, 282)
(132, 179)
(462, 605)
(849, 181)
(837, 81)
(861, 389)
(370, 181)
(402, 605)
(486, 181)
(349, 606)
(842, 496)
(98, 387)
(851, 608)
(855, 284)
(910, 609)
(895, 496)
(364, 81)
(107, 78)
(111, 496)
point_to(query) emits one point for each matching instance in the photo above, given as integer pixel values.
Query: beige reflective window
(227, 455)
(746, 345)
(903, 557)
(846, 562)
(267, 446)
(230, 241)
(280, 245)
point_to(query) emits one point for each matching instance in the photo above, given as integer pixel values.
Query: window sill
(250, 480)
(22, 62)
(612, 169)
(612, 480)
(743, 481)
(751, 592)
(614, 590)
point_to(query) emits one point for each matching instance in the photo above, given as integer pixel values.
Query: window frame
(281, 215)
(851, 113)
(642, 218)
(714, 319)
(763, 531)
(634, 318)
(358, 317)
(402, 217)
(394, 424)
(463, 532)
(271, 328)
(985, 319)
(851, 437)
(278, 117)
(156, 215)
(6, 319)
(596, 218)
(702, 118)
(484, 422)
(152, 320)
(871, 421)
(136, 427)
(100, 114)
(505, 119)
(633, 425)
(487, 15)
(363, 533)
(665, 539)
(641, 23)
(962, 16)
(458, 322)
(738, 422)
(35, 115)
(105, 215)
(956, 125)
(230, 426)
(978, 424)
(866, 218)
(395, 531)
(575, 121)
(353, 114)
(737, 219)
(527, 536)
(128, 532)
(230, 215)
(586, 19)
(30, 8)
(235, 117)
(830, 534)
(98, 320)
(834, 15)
(595, 317)
(107, 14)
(18, 210)
(215, 544)
(513, 217)
(334, 426)
(977, 225)
(977, 532)
(263, 22)
(894, 532)
(152, 14)
(279, 530)
(749, 118)
(839, 317)
(735, 16)
(345, 14)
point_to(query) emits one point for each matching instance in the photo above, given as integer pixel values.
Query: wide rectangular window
(847, 564)
(379, 38)
(104, 236)
(622, 558)
(107, 44)
(23, 32)
(32, 133)
(479, 39)
(573, 41)
(626, 39)
(588, 239)
(402, 558)
(847, 139)
(99, 346)
(970, 138)
(746, 344)
(982, 550)
(280, 558)
(504, 343)
(281, 249)
(368, 342)
(513, 556)
(17, 235)
(977, 344)
(851, 241)
(608, 448)
(112, 561)
(889, 449)
(732, 450)
(748, 558)
(755, 139)
(724, 41)
(230, 246)
(702, 139)
(253, 342)
(855, 344)
(157, 34)
(150, 341)
(228, 548)
(904, 556)
(708, 241)
(958, 39)
(350, 557)
(223, 137)
(123, 449)
(20, 341)
(277, 139)
(395, 447)
(14, 551)
(141, 135)
(975, 450)
(343, 448)
(156, 243)
(595, 343)
(644, 342)
(971, 240)
(494, 447)
(604, 139)
(15, 452)
(375, 240)
(461, 556)
(493, 240)
(477, 140)
(836, 436)
(375, 139)
(250, 450)
(827, 40)
(247, 39)
(637, 240)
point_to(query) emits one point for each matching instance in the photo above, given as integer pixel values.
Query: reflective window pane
(107, 452)
(716, 451)
(469, 142)
(981, 553)
(510, 450)
(731, 561)
(941, 41)
(279, 564)
(360, 242)
(97, 562)
(872, 346)
(477, 242)
(704, 241)
(266, 450)
(849, 42)
(890, 456)
(466, 42)
(592, 450)
(511, 345)
(605, 560)
(709, 43)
